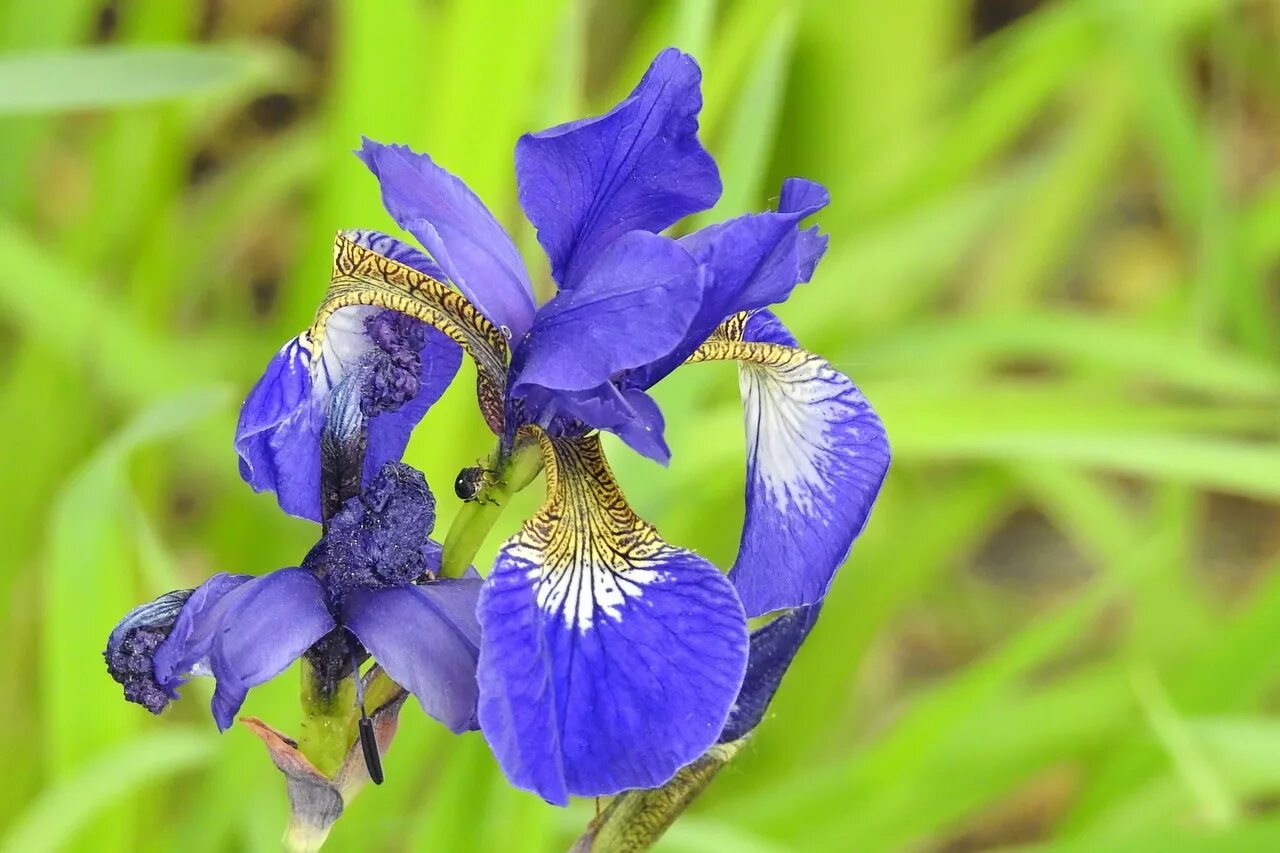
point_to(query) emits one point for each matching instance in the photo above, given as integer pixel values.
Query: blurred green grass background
(1055, 236)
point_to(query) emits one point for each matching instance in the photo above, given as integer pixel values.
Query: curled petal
(131, 648)
(427, 638)
(244, 631)
(475, 252)
(817, 454)
(749, 262)
(362, 277)
(610, 658)
(629, 413)
(631, 308)
(639, 166)
(282, 420)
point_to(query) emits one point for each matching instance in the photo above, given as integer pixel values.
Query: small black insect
(469, 482)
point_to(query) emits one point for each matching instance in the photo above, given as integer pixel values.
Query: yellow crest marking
(363, 277)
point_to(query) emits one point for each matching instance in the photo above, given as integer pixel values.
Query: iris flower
(368, 585)
(609, 657)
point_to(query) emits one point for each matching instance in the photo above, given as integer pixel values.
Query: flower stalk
(636, 819)
(478, 516)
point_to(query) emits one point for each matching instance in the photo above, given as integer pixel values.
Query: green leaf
(105, 77)
(64, 809)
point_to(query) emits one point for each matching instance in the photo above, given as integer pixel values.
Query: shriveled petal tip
(281, 421)
(610, 658)
(455, 227)
(639, 166)
(427, 638)
(773, 648)
(244, 631)
(632, 307)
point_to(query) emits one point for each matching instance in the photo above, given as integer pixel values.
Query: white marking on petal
(345, 343)
(797, 413)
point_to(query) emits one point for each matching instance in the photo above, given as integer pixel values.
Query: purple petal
(816, 456)
(764, 326)
(268, 623)
(388, 433)
(187, 646)
(244, 631)
(773, 648)
(278, 435)
(751, 261)
(615, 681)
(633, 306)
(427, 639)
(610, 658)
(396, 250)
(639, 166)
(474, 251)
(631, 414)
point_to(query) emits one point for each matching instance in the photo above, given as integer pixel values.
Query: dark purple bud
(380, 538)
(391, 373)
(131, 649)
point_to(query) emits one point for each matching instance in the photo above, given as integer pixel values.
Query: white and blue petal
(817, 454)
(610, 659)
(639, 166)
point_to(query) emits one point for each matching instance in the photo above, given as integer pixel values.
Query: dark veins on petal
(378, 539)
(394, 368)
(132, 646)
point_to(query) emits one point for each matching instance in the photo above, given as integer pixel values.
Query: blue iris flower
(610, 658)
(369, 584)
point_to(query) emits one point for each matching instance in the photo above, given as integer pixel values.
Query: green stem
(478, 516)
(636, 819)
(328, 721)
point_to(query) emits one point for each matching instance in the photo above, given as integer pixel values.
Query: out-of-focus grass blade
(104, 77)
(694, 26)
(1237, 467)
(64, 809)
(883, 264)
(743, 147)
(1123, 347)
(1047, 227)
(88, 585)
(732, 55)
(54, 303)
(1217, 804)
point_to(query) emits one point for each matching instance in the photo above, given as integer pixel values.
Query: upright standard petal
(244, 631)
(427, 639)
(474, 251)
(817, 454)
(750, 262)
(633, 306)
(610, 658)
(639, 166)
